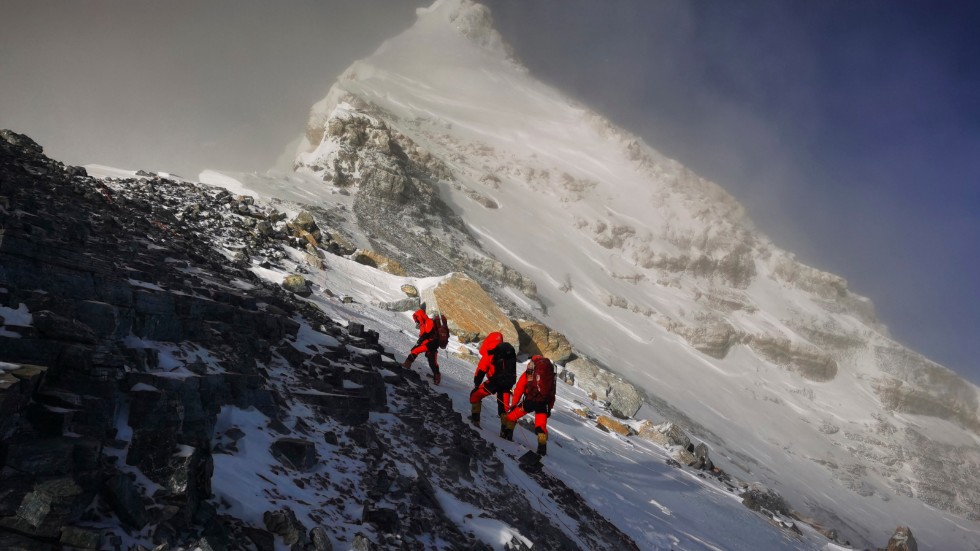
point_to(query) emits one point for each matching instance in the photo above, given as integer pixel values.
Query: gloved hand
(548, 412)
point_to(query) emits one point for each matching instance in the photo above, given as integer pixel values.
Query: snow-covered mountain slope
(658, 506)
(442, 137)
(162, 389)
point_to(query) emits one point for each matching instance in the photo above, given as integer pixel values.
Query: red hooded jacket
(486, 359)
(428, 340)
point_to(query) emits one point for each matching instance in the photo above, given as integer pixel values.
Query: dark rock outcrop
(142, 333)
(902, 540)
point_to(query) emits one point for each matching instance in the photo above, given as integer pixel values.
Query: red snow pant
(488, 388)
(540, 410)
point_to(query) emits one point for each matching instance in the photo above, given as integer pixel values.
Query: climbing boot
(436, 378)
(475, 414)
(506, 428)
(407, 364)
(542, 443)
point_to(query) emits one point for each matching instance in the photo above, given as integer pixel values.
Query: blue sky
(850, 130)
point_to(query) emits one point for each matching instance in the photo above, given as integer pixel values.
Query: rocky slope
(156, 392)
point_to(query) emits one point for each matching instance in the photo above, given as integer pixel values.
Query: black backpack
(504, 365)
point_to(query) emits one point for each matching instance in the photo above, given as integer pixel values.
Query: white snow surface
(14, 317)
(625, 479)
(563, 173)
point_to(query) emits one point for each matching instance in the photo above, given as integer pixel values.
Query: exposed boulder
(362, 543)
(410, 290)
(314, 261)
(305, 221)
(538, 338)
(566, 376)
(623, 398)
(472, 314)
(701, 453)
(683, 456)
(674, 434)
(902, 540)
(588, 376)
(189, 482)
(758, 498)
(285, 524)
(51, 505)
(339, 244)
(296, 283)
(379, 261)
(320, 539)
(295, 453)
(406, 304)
(613, 425)
(648, 431)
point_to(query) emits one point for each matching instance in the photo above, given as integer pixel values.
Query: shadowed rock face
(624, 400)
(810, 362)
(926, 388)
(716, 338)
(538, 338)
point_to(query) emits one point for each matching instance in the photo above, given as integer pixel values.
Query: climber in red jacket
(498, 364)
(535, 393)
(427, 344)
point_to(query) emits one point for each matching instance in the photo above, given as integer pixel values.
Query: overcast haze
(850, 130)
(178, 85)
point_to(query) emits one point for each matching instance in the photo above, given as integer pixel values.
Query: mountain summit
(456, 158)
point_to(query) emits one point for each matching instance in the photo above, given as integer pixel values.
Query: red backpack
(540, 380)
(441, 328)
